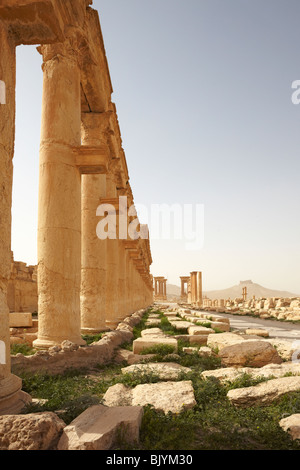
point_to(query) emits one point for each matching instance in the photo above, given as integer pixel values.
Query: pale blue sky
(203, 94)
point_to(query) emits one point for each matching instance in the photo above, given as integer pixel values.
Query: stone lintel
(33, 21)
(92, 160)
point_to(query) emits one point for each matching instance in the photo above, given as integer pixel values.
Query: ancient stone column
(194, 287)
(165, 289)
(122, 235)
(93, 259)
(182, 289)
(59, 214)
(12, 399)
(189, 292)
(112, 274)
(199, 289)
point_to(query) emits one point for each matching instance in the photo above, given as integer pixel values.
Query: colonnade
(86, 282)
(160, 288)
(194, 289)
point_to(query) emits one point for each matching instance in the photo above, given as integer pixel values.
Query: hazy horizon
(203, 94)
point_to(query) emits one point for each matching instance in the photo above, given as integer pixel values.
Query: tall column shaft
(112, 246)
(182, 288)
(93, 268)
(93, 250)
(59, 216)
(199, 288)
(12, 399)
(194, 287)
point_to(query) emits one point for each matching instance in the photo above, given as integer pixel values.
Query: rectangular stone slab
(20, 320)
(180, 325)
(199, 330)
(143, 343)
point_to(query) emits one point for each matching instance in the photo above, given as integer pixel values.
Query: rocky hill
(173, 291)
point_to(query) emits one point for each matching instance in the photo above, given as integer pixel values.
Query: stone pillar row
(160, 288)
(194, 288)
(85, 285)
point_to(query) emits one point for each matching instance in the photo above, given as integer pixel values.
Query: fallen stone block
(153, 322)
(152, 332)
(199, 330)
(257, 332)
(285, 349)
(180, 325)
(221, 326)
(163, 370)
(33, 431)
(210, 317)
(98, 427)
(249, 353)
(269, 371)
(221, 340)
(173, 397)
(265, 392)
(205, 351)
(140, 344)
(291, 424)
(123, 355)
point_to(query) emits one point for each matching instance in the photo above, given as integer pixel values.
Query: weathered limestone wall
(22, 293)
(58, 359)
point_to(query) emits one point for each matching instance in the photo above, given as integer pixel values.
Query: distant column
(182, 289)
(112, 273)
(194, 287)
(189, 292)
(199, 289)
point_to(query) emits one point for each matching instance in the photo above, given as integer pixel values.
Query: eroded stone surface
(291, 424)
(265, 392)
(148, 342)
(269, 371)
(163, 370)
(257, 332)
(97, 428)
(250, 354)
(163, 396)
(35, 431)
(221, 340)
(199, 330)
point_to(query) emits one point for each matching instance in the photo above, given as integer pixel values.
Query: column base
(43, 343)
(12, 399)
(94, 331)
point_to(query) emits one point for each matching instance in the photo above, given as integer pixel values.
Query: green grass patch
(89, 339)
(160, 349)
(215, 424)
(24, 349)
(207, 324)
